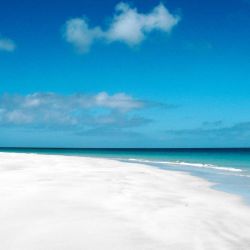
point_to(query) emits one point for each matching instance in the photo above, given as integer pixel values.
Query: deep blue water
(228, 168)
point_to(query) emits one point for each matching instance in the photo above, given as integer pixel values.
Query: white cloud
(18, 117)
(127, 26)
(78, 33)
(119, 101)
(132, 27)
(7, 45)
(54, 110)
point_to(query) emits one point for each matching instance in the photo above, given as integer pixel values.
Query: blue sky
(125, 74)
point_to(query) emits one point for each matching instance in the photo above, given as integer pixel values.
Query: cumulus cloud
(76, 110)
(7, 45)
(127, 26)
(131, 27)
(78, 33)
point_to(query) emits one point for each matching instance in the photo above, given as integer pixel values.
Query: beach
(52, 202)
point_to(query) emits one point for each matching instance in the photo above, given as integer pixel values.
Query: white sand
(61, 202)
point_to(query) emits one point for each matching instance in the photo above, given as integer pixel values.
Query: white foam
(188, 164)
(61, 203)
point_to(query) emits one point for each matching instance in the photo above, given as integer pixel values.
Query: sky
(96, 73)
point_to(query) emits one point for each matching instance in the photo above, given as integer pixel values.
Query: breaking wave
(188, 164)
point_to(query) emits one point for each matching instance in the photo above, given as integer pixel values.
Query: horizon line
(124, 148)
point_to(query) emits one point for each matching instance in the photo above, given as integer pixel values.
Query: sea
(227, 168)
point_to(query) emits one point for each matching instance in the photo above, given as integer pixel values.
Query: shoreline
(61, 202)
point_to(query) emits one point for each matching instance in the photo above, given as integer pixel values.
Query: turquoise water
(229, 169)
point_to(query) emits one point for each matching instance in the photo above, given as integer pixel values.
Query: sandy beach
(51, 202)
